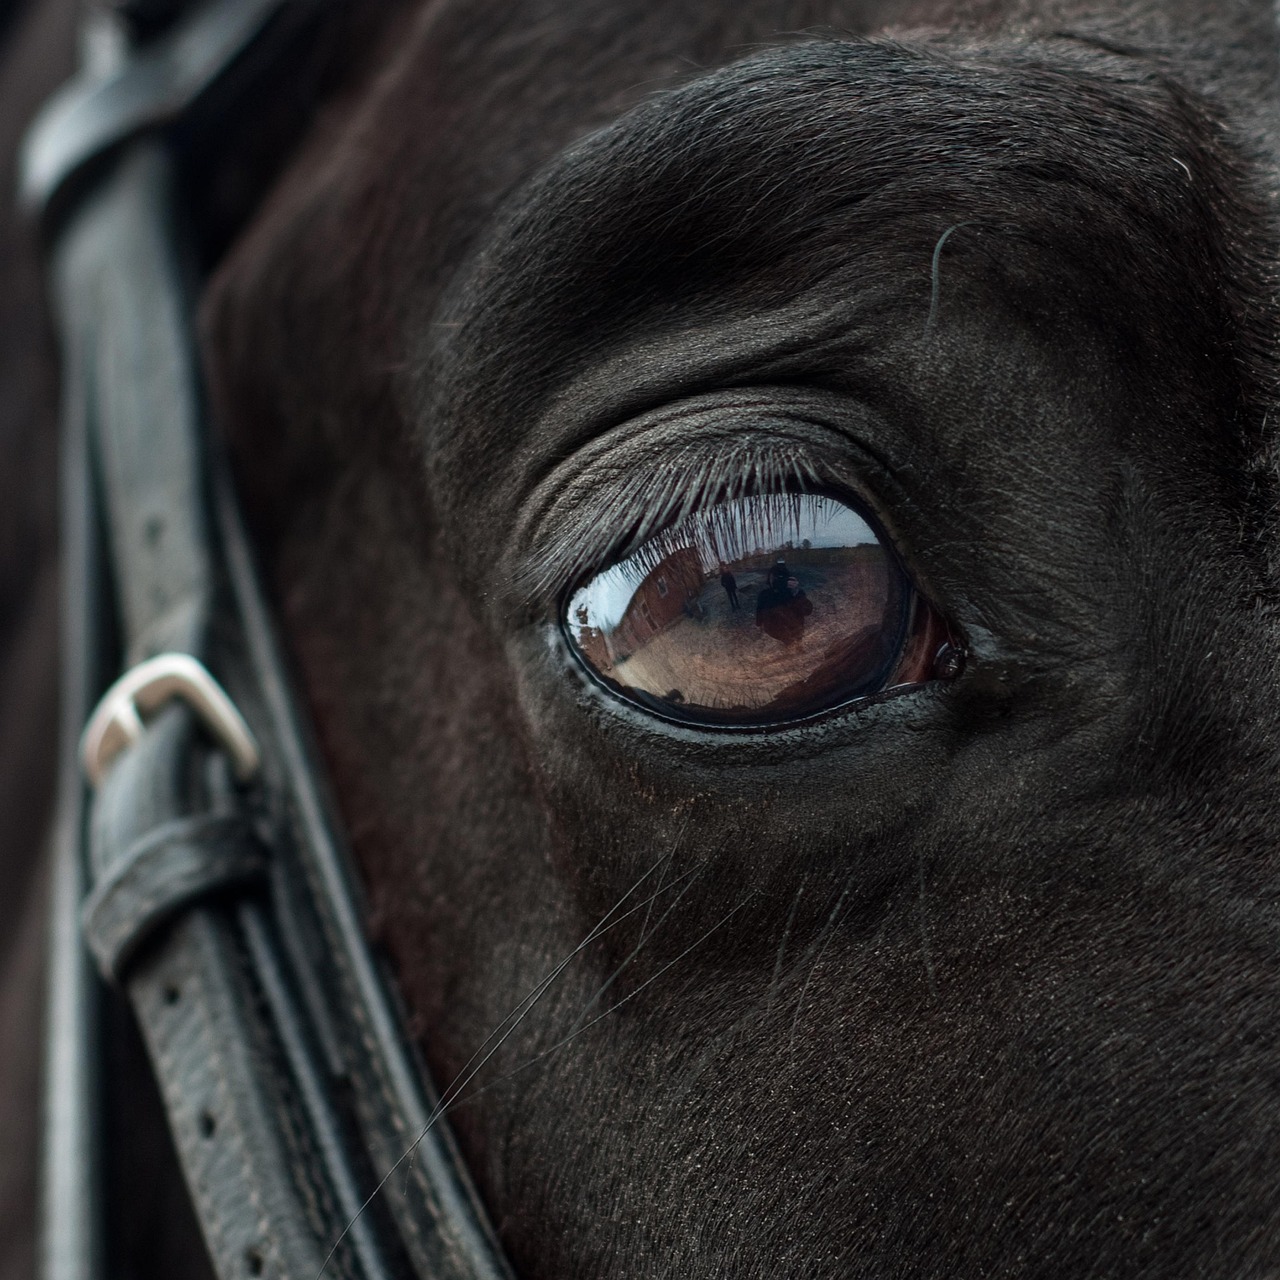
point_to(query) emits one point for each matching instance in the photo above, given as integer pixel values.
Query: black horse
(979, 979)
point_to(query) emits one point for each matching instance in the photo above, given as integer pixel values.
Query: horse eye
(759, 610)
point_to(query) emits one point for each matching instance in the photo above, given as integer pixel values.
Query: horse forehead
(701, 234)
(404, 254)
(391, 220)
(469, 102)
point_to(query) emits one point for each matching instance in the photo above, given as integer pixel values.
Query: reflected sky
(730, 531)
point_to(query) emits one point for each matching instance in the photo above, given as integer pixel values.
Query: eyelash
(624, 509)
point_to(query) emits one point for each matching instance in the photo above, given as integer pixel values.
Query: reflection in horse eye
(756, 610)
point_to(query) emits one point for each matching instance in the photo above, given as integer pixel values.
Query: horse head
(954, 952)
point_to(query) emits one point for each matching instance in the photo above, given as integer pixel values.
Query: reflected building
(671, 591)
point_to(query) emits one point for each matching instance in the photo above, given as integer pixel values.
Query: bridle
(198, 867)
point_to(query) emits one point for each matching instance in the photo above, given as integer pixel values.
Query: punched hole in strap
(120, 717)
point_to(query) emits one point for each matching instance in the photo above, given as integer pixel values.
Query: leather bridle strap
(213, 886)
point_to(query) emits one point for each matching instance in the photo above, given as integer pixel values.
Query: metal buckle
(118, 720)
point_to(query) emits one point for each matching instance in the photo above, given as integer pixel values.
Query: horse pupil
(756, 610)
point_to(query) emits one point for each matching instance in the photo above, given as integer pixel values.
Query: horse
(973, 976)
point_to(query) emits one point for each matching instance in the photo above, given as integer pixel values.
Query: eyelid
(622, 486)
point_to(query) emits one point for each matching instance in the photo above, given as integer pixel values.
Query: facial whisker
(574, 1034)
(645, 935)
(821, 943)
(782, 945)
(498, 1037)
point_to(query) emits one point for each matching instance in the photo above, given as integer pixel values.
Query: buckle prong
(119, 719)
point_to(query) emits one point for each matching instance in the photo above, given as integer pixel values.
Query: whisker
(462, 1080)
(645, 935)
(936, 282)
(782, 945)
(824, 938)
(489, 1047)
(573, 1035)
(662, 880)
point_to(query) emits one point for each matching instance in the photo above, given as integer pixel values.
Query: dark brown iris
(757, 610)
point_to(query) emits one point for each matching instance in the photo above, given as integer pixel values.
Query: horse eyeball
(760, 610)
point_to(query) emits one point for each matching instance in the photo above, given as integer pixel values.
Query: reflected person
(730, 585)
(782, 607)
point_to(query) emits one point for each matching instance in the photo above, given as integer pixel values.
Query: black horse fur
(979, 980)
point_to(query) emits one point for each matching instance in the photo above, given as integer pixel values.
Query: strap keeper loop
(165, 871)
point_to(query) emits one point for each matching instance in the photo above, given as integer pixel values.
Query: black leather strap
(72, 1219)
(432, 1205)
(264, 1200)
(227, 913)
(105, 107)
(262, 1197)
